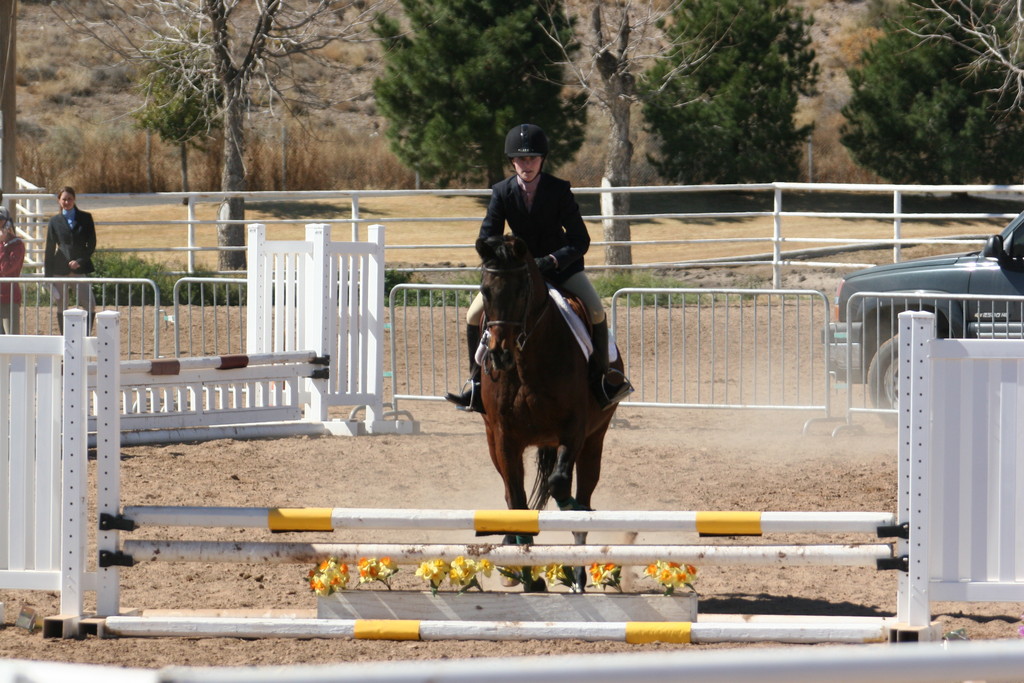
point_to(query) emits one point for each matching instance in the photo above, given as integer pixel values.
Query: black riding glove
(547, 264)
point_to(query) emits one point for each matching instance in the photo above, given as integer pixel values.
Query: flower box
(510, 606)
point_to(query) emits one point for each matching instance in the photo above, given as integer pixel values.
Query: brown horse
(536, 388)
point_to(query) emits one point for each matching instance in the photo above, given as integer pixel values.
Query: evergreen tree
(182, 102)
(462, 75)
(728, 117)
(919, 115)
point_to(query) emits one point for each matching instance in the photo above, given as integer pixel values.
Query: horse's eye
(486, 293)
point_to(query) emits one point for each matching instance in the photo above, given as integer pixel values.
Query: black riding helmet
(526, 140)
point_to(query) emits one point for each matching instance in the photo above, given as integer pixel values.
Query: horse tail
(541, 493)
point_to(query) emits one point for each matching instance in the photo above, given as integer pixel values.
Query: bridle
(525, 333)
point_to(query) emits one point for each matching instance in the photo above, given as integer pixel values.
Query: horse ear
(519, 249)
(485, 248)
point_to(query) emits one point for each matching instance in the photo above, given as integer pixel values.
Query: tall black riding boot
(470, 399)
(609, 386)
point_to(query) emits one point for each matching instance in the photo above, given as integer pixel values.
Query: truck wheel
(883, 375)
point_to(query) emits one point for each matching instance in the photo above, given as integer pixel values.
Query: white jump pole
(907, 663)
(509, 555)
(229, 362)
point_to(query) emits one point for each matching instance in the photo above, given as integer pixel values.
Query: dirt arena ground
(655, 459)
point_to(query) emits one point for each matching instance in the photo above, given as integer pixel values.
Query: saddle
(576, 304)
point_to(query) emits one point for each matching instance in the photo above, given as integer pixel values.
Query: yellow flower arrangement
(463, 572)
(372, 569)
(672, 575)
(433, 572)
(606, 575)
(330, 576)
(557, 573)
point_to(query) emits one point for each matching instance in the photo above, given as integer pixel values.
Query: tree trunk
(183, 152)
(232, 234)
(617, 172)
(617, 93)
(8, 101)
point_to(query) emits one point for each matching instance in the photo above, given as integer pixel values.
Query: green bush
(392, 278)
(607, 284)
(111, 264)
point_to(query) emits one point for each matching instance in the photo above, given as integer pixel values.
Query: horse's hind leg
(560, 481)
(588, 471)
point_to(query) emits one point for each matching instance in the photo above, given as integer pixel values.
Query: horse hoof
(509, 582)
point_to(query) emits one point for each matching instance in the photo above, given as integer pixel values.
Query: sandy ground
(655, 459)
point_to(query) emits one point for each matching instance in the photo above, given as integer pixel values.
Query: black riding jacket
(552, 226)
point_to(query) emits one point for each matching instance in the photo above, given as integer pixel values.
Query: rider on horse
(541, 210)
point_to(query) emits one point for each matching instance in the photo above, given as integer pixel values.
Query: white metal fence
(864, 355)
(682, 348)
(960, 414)
(773, 215)
(43, 400)
(724, 348)
(137, 298)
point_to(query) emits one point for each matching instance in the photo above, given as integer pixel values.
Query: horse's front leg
(510, 457)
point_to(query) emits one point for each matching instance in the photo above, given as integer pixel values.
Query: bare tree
(255, 53)
(619, 39)
(992, 31)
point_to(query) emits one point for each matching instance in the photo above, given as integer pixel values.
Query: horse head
(508, 284)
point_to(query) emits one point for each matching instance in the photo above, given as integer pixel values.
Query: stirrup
(469, 400)
(608, 395)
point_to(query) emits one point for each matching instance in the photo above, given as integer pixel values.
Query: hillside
(72, 90)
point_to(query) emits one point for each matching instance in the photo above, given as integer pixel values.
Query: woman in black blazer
(541, 210)
(70, 244)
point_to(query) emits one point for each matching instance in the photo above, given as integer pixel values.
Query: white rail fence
(43, 407)
(771, 241)
(961, 412)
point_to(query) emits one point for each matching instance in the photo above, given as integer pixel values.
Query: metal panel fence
(707, 348)
(864, 350)
(429, 355)
(724, 348)
(208, 316)
(137, 299)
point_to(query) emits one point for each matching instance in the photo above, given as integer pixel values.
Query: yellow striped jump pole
(795, 631)
(719, 523)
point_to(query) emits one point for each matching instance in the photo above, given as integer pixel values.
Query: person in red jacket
(12, 256)
(541, 209)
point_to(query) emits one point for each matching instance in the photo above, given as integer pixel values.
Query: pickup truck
(862, 340)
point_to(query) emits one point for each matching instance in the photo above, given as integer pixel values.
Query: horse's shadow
(763, 603)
